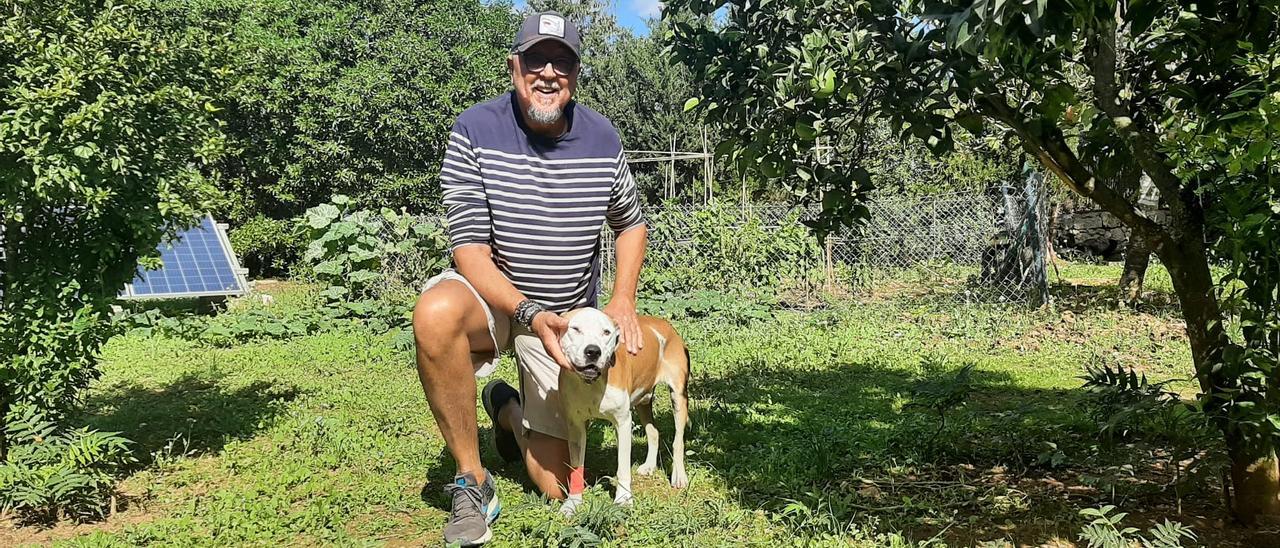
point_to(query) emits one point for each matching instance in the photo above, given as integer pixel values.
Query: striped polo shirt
(539, 203)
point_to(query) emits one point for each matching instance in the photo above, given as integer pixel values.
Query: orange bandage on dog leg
(576, 482)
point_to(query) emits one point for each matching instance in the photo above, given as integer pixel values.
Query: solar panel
(198, 263)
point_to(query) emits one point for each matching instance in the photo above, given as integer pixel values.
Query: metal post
(671, 181)
(706, 167)
(829, 273)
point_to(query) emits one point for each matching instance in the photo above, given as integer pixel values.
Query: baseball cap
(547, 25)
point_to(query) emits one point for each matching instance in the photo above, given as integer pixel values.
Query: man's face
(545, 77)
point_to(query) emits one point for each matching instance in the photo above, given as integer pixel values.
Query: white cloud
(648, 9)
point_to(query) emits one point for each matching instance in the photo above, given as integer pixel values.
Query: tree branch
(1141, 143)
(1053, 152)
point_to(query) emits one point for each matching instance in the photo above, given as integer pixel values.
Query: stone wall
(1096, 232)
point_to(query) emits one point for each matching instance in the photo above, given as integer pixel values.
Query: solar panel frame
(237, 273)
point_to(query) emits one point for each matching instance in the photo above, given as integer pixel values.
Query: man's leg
(546, 458)
(449, 326)
(535, 421)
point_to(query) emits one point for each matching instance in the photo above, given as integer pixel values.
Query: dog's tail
(688, 363)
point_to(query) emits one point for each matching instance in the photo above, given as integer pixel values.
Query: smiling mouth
(589, 372)
(546, 92)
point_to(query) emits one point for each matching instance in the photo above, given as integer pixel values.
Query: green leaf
(825, 84)
(971, 122)
(691, 104)
(805, 131)
(331, 268)
(363, 276)
(322, 215)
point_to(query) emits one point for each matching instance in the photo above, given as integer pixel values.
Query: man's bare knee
(437, 322)
(447, 315)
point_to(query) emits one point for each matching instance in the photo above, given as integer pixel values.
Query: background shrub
(267, 247)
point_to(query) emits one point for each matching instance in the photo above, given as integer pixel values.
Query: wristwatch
(526, 311)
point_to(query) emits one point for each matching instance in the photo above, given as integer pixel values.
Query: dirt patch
(1002, 507)
(13, 533)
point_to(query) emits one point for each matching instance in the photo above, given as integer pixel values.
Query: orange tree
(1186, 91)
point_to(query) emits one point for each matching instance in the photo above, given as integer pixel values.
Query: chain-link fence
(971, 246)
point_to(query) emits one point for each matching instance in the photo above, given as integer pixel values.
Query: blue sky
(630, 13)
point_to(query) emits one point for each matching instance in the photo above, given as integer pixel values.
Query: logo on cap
(551, 25)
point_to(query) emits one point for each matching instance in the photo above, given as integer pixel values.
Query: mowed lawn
(800, 434)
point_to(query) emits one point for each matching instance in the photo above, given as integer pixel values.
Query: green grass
(798, 435)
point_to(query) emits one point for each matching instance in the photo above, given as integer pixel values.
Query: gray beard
(544, 117)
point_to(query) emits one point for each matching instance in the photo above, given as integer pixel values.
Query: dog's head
(590, 342)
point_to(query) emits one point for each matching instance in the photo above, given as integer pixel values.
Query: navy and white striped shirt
(539, 203)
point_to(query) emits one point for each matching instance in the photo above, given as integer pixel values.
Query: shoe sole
(507, 446)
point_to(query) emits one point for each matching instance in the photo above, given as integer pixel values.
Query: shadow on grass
(600, 461)
(1085, 297)
(189, 416)
(837, 441)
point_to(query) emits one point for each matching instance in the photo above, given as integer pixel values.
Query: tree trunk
(1136, 259)
(1255, 468)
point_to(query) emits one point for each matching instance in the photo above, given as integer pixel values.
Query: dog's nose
(592, 352)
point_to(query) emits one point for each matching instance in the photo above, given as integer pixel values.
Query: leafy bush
(1105, 532)
(1126, 406)
(267, 247)
(724, 247)
(940, 391)
(348, 248)
(338, 97)
(51, 472)
(104, 127)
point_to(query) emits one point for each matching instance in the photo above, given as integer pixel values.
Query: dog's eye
(576, 329)
(607, 332)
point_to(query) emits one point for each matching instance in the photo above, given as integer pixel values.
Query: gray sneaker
(474, 508)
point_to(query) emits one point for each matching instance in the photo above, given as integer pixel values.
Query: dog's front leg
(623, 424)
(577, 458)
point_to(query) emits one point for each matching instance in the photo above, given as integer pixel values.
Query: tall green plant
(102, 131)
(725, 247)
(351, 251)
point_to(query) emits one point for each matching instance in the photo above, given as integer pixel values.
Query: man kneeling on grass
(529, 179)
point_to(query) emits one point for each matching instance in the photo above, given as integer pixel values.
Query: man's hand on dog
(623, 313)
(549, 327)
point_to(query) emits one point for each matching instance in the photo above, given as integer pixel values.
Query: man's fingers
(552, 345)
(632, 337)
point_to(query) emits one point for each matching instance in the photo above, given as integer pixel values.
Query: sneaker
(475, 506)
(495, 395)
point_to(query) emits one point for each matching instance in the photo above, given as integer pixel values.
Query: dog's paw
(647, 469)
(623, 498)
(679, 479)
(570, 506)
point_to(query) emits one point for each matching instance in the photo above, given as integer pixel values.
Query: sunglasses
(537, 62)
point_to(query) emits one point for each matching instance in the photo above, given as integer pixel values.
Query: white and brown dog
(608, 382)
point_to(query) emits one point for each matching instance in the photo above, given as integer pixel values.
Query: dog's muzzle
(590, 371)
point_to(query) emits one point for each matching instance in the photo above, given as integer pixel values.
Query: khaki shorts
(539, 373)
